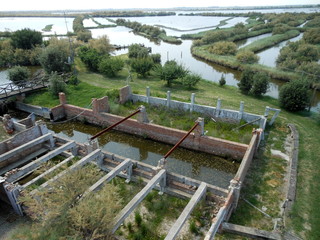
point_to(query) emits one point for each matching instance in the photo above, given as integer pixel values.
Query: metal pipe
(181, 140)
(114, 125)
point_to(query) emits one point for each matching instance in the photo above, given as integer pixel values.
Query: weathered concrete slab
(47, 172)
(90, 157)
(175, 229)
(107, 178)
(11, 153)
(250, 232)
(124, 213)
(29, 168)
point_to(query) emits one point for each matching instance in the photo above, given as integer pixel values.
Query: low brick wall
(159, 133)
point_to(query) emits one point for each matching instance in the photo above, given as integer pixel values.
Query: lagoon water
(181, 53)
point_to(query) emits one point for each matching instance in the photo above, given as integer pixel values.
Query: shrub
(222, 80)
(294, 96)
(138, 218)
(246, 81)
(56, 84)
(138, 51)
(110, 66)
(260, 83)
(247, 57)
(84, 35)
(74, 80)
(18, 74)
(142, 66)
(190, 80)
(170, 71)
(90, 57)
(26, 38)
(224, 48)
(312, 36)
(54, 58)
(101, 44)
(156, 58)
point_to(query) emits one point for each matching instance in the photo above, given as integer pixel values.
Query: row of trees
(149, 30)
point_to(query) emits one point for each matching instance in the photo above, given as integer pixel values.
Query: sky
(20, 5)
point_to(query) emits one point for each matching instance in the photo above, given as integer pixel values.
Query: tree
(110, 66)
(224, 48)
(26, 38)
(260, 83)
(246, 81)
(54, 58)
(101, 44)
(18, 74)
(138, 51)
(84, 35)
(142, 66)
(312, 36)
(222, 80)
(90, 57)
(190, 80)
(56, 84)
(170, 71)
(294, 96)
(246, 56)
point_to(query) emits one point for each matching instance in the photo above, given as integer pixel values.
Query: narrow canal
(197, 165)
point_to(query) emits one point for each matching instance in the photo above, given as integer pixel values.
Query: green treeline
(148, 30)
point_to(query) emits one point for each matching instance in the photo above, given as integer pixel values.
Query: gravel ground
(8, 220)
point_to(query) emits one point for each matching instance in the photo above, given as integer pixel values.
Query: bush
(56, 84)
(171, 71)
(222, 80)
(74, 80)
(142, 66)
(246, 81)
(223, 48)
(26, 38)
(294, 96)
(54, 58)
(312, 36)
(18, 74)
(260, 84)
(111, 66)
(190, 80)
(138, 51)
(156, 58)
(90, 57)
(247, 57)
(84, 35)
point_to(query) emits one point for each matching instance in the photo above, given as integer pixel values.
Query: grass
(263, 185)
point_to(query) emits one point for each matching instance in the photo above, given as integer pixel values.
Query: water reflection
(201, 166)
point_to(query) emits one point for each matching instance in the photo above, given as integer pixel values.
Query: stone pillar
(148, 94)
(236, 186)
(168, 99)
(8, 124)
(193, 95)
(142, 116)
(241, 110)
(125, 94)
(218, 107)
(62, 98)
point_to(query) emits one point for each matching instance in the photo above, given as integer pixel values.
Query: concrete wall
(40, 111)
(57, 113)
(159, 133)
(215, 112)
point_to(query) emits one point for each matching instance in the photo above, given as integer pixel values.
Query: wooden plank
(175, 229)
(250, 232)
(137, 199)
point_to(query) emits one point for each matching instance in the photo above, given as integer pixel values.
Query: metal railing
(21, 86)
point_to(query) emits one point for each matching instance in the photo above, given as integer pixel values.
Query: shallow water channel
(197, 165)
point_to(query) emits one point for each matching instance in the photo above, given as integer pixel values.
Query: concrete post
(200, 128)
(241, 110)
(62, 98)
(148, 94)
(266, 113)
(142, 116)
(193, 95)
(218, 107)
(168, 99)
